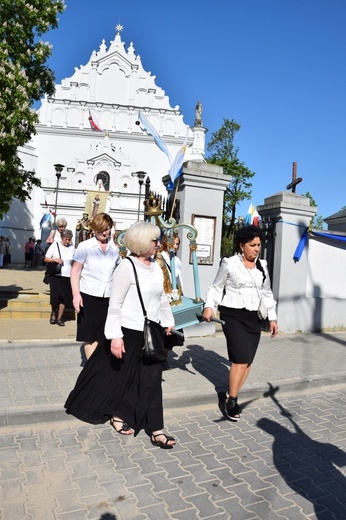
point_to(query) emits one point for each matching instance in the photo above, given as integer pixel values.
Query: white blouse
(125, 309)
(238, 287)
(66, 253)
(98, 267)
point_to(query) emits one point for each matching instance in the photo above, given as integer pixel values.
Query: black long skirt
(242, 330)
(91, 318)
(129, 388)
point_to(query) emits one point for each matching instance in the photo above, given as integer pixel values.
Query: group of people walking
(117, 384)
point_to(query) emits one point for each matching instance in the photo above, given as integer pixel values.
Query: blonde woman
(117, 383)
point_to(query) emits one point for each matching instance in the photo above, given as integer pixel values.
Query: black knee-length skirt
(91, 318)
(242, 331)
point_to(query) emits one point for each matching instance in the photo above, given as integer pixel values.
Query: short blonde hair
(61, 222)
(101, 222)
(139, 237)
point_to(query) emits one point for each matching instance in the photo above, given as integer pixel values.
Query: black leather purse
(153, 348)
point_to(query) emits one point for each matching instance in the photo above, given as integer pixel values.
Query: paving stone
(204, 505)
(13, 509)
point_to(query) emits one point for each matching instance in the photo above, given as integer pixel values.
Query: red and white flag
(94, 123)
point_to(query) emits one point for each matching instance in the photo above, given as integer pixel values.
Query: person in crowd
(241, 287)
(2, 250)
(91, 278)
(55, 234)
(164, 260)
(29, 252)
(60, 288)
(39, 254)
(8, 254)
(117, 383)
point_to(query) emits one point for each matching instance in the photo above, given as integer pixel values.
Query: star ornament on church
(119, 27)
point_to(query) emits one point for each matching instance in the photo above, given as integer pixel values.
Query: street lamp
(141, 177)
(58, 169)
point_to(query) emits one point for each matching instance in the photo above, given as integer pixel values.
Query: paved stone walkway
(285, 458)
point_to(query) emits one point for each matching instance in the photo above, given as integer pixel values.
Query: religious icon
(83, 229)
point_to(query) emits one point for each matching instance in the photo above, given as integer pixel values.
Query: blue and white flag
(151, 130)
(177, 166)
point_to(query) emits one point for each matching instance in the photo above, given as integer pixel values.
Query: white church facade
(110, 89)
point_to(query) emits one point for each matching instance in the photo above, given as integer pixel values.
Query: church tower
(89, 126)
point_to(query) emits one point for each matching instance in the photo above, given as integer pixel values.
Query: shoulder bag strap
(58, 249)
(137, 284)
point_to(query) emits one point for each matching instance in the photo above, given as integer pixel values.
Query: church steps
(24, 305)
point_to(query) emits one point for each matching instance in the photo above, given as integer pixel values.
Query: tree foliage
(316, 221)
(24, 78)
(224, 153)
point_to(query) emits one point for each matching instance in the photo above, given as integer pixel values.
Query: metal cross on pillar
(295, 180)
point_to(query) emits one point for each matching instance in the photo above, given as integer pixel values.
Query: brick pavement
(283, 460)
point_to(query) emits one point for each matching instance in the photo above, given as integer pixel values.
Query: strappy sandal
(124, 430)
(52, 320)
(232, 409)
(160, 444)
(60, 323)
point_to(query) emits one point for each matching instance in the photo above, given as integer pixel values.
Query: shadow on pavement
(307, 466)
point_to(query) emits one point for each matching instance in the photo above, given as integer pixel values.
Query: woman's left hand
(168, 331)
(273, 328)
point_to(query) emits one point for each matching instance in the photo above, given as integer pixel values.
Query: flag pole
(174, 198)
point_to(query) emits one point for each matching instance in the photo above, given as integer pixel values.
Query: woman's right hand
(77, 302)
(117, 347)
(208, 313)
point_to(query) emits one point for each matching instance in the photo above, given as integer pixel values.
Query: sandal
(232, 409)
(162, 445)
(60, 323)
(52, 320)
(125, 428)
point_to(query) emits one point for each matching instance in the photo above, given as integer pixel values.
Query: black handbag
(53, 268)
(153, 348)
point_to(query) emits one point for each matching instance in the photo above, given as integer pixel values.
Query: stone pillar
(201, 193)
(292, 214)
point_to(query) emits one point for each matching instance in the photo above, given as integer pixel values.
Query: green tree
(24, 78)
(225, 154)
(316, 221)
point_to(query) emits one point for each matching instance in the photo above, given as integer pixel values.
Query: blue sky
(278, 67)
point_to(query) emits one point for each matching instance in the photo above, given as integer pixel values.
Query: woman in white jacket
(241, 288)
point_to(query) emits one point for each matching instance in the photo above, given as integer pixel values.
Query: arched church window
(104, 177)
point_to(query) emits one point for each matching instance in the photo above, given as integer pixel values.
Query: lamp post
(58, 169)
(141, 177)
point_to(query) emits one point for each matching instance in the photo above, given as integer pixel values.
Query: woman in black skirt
(118, 384)
(91, 279)
(62, 253)
(242, 289)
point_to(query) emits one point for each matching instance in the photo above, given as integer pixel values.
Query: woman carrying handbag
(118, 383)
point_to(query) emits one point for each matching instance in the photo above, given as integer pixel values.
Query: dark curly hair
(247, 234)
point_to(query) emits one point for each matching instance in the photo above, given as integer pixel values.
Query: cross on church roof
(295, 180)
